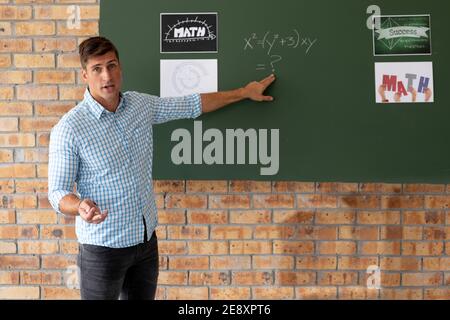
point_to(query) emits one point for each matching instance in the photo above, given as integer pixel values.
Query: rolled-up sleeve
(62, 164)
(168, 109)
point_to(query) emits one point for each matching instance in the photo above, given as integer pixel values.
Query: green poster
(402, 35)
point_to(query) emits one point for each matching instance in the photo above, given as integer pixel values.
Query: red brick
(273, 201)
(424, 217)
(274, 232)
(58, 261)
(337, 247)
(357, 293)
(400, 264)
(401, 294)
(293, 247)
(172, 278)
(258, 278)
(231, 232)
(250, 247)
(250, 217)
(19, 262)
(165, 186)
(54, 44)
(400, 232)
(402, 202)
(437, 202)
(18, 140)
(18, 232)
(185, 201)
(380, 188)
(209, 278)
(15, 45)
(188, 263)
(359, 202)
(422, 279)
(290, 186)
(335, 217)
(358, 233)
(16, 201)
(229, 202)
(235, 293)
(295, 278)
(60, 293)
(380, 247)
(437, 294)
(316, 263)
(16, 109)
(356, 263)
(207, 217)
(19, 293)
(436, 233)
(207, 247)
(316, 201)
(273, 262)
(334, 187)
(35, 28)
(58, 232)
(387, 217)
(273, 293)
(423, 248)
(54, 77)
(38, 247)
(316, 293)
(7, 217)
(250, 186)
(230, 263)
(172, 247)
(436, 264)
(15, 12)
(171, 217)
(37, 92)
(187, 293)
(187, 232)
(293, 216)
(424, 188)
(9, 277)
(53, 108)
(6, 186)
(337, 278)
(39, 278)
(206, 186)
(316, 233)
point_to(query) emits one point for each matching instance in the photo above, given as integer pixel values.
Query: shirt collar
(96, 108)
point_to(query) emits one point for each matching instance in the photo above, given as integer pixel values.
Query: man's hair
(94, 47)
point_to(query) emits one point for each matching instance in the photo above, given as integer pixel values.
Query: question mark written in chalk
(275, 59)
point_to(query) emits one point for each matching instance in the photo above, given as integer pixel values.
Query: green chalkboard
(330, 127)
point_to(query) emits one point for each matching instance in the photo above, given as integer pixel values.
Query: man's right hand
(90, 212)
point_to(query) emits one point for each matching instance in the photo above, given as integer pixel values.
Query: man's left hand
(255, 90)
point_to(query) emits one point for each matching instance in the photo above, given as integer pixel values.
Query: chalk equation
(273, 44)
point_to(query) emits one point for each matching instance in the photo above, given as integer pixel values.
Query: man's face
(103, 75)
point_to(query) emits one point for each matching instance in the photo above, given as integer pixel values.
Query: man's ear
(84, 74)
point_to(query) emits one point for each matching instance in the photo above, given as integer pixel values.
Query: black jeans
(126, 273)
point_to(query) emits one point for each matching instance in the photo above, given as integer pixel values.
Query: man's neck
(111, 105)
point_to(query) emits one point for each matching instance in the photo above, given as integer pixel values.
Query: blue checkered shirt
(109, 157)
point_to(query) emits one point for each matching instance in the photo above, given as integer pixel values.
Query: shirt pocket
(105, 155)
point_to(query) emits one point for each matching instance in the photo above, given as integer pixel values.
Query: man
(104, 145)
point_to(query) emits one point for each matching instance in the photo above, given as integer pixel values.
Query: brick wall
(218, 239)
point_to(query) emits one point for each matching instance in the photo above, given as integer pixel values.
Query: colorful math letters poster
(404, 82)
(402, 35)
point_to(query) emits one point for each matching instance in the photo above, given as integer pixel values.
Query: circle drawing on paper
(187, 77)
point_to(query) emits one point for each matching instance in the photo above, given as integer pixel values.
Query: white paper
(409, 87)
(184, 77)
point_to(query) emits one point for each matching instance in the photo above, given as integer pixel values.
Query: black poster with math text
(194, 32)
